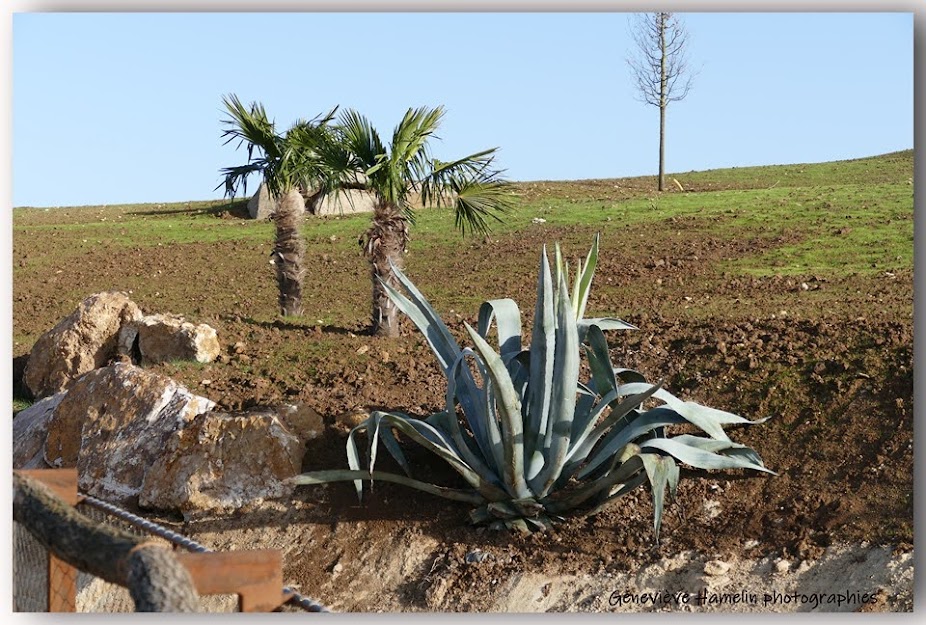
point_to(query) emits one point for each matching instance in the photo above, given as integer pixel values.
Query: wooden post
(256, 576)
(61, 593)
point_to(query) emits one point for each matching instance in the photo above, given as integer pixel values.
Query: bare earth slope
(769, 291)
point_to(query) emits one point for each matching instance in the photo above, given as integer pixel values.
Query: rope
(307, 604)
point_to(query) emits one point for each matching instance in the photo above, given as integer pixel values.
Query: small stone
(716, 568)
(782, 566)
(475, 556)
(363, 349)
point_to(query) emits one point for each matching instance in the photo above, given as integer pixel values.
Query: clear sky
(123, 108)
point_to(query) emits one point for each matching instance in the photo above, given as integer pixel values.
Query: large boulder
(163, 338)
(346, 202)
(30, 428)
(262, 205)
(113, 423)
(221, 461)
(84, 340)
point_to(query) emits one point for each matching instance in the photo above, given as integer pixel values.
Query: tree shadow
(282, 324)
(237, 209)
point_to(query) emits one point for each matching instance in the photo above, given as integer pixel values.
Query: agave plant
(533, 442)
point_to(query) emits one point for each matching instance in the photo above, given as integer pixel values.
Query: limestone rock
(81, 342)
(163, 338)
(345, 202)
(30, 427)
(302, 420)
(113, 423)
(716, 568)
(222, 461)
(261, 205)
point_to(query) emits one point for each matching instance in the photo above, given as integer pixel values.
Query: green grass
(836, 218)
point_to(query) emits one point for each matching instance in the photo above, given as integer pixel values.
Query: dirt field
(828, 354)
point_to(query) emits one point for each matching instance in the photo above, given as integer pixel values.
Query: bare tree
(660, 68)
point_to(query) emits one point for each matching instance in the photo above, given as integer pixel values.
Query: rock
(222, 461)
(83, 341)
(347, 421)
(345, 202)
(30, 428)
(716, 568)
(782, 566)
(113, 423)
(475, 556)
(261, 205)
(302, 421)
(162, 338)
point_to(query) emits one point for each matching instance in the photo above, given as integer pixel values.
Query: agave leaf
(700, 458)
(392, 446)
(563, 396)
(561, 501)
(584, 279)
(416, 307)
(509, 411)
(507, 319)
(599, 361)
(416, 429)
(586, 412)
(496, 441)
(543, 343)
(604, 323)
(706, 418)
(658, 469)
(447, 421)
(442, 343)
(620, 491)
(574, 300)
(593, 432)
(474, 412)
(341, 475)
(727, 448)
(617, 438)
(353, 456)
(629, 375)
(535, 464)
(373, 439)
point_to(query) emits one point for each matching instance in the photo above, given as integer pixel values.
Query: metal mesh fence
(31, 572)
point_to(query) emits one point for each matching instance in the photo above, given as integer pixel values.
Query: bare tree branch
(659, 67)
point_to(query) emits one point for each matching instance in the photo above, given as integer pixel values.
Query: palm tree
(287, 163)
(394, 176)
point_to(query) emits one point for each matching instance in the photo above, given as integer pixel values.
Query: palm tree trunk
(386, 241)
(289, 252)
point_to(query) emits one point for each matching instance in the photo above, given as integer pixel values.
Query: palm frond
(250, 126)
(478, 191)
(361, 139)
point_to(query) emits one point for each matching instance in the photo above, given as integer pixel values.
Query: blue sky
(124, 108)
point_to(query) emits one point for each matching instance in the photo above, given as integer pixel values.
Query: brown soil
(829, 358)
